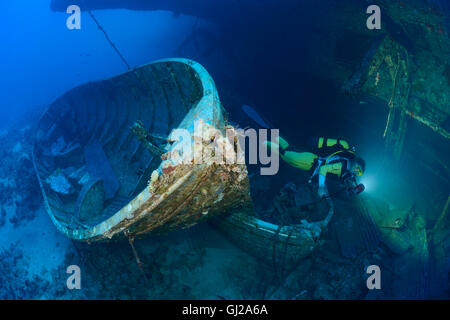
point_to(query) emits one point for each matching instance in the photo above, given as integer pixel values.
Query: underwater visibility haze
(260, 149)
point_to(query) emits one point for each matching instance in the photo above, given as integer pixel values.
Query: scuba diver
(329, 156)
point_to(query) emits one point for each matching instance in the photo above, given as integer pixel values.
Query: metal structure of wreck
(108, 165)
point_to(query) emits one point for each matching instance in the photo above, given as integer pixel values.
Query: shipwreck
(104, 158)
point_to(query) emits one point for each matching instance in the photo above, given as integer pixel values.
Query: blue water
(42, 58)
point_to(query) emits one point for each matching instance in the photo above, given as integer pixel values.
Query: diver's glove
(358, 189)
(353, 188)
(349, 180)
(347, 177)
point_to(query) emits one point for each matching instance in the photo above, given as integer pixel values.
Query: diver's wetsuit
(330, 156)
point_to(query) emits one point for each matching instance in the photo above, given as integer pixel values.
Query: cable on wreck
(109, 40)
(140, 264)
(129, 236)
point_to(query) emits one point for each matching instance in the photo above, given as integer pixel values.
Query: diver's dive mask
(357, 170)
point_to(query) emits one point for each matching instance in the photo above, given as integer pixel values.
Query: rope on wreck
(140, 264)
(391, 101)
(279, 273)
(109, 40)
(274, 250)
